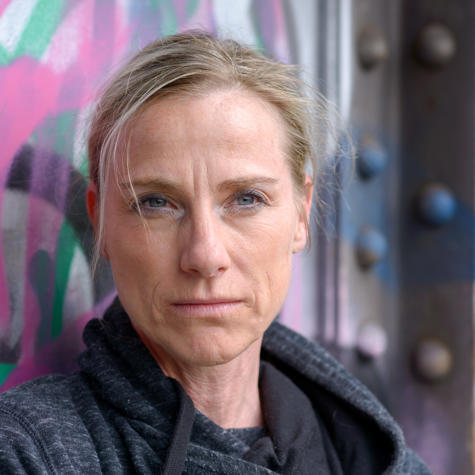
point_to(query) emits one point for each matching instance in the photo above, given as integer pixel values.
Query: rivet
(435, 45)
(371, 340)
(432, 360)
(372, 158)
(372, 48)
(371, 247)
(436, 204)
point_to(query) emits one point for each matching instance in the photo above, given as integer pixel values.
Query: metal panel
(402, 260)
(437, 261)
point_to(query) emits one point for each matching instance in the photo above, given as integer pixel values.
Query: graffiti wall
(54, 54)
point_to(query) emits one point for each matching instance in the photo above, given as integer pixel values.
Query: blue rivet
(371, 247)
(372, 159)
(436, 204)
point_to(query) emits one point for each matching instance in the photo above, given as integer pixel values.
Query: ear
(300, 236)
(92, 206)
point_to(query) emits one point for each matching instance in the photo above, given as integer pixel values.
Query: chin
(212, 350)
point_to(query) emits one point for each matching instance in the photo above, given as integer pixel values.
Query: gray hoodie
(120, 414)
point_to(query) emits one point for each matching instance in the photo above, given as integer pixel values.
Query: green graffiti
(5, 370)
(4, 57)
(83, 167)
(41, 26)
(259, 39)
(169, 23)
(60, 131)
(66, 245)
(63, 133)
(191, 6)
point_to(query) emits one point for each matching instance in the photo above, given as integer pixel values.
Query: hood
(366, 437)
(120, 369)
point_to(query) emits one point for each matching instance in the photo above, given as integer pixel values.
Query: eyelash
(258, 197)
(260, 200)
(144, 209)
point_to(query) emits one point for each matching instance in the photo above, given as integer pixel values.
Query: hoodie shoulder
(344, 403)
(413, 465)
(40, 394)
(39, 424)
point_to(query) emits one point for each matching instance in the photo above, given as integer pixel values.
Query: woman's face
(209, 270)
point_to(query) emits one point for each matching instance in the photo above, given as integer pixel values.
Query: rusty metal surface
(437, 262)
(397, 254)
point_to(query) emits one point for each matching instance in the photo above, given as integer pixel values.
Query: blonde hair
(191, 63)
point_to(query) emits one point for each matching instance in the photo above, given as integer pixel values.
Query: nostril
(216, 272)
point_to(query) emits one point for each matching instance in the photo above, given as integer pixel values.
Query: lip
(210, 308)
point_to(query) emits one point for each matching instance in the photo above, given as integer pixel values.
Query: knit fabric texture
(120, 414)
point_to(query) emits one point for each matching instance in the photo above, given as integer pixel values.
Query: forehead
(228, 118)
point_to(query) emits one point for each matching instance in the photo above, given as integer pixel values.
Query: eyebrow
(246, 182)
(163, 185)
(169, 186)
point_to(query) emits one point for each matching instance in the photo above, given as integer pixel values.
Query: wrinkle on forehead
(202, 141)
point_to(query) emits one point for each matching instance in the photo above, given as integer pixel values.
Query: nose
(203, 248)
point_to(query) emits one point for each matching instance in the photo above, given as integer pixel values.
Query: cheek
(273, 239)
(278, 280)
(129, 247)
(270, 263)
(129, 240)
(125, 247)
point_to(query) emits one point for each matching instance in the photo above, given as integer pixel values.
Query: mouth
(207, 308)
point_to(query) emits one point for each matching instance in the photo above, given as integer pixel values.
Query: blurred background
(388, 284)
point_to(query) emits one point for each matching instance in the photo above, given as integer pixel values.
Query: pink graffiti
(41, 235)
(31, 91)
(291, 312)
(47, 357)
(273, 28)
(202, 17)
(68, 343)
(180, 10)
(4, 5)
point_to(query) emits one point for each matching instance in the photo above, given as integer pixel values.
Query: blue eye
(153, 205)
(246, 200)
(154, 202)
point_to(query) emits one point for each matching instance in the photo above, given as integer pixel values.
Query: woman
(199, 197)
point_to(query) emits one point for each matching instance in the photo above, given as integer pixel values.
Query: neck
(228, 393)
